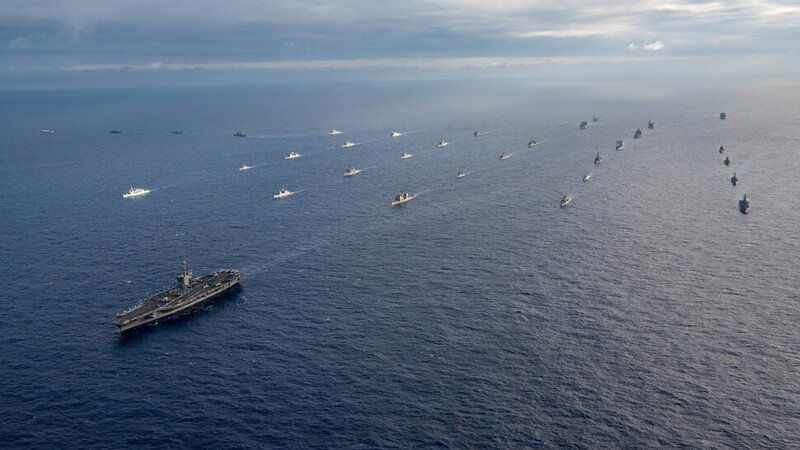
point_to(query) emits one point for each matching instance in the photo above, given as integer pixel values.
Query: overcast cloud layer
(58, 37)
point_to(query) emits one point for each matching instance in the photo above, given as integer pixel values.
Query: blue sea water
(648, 313)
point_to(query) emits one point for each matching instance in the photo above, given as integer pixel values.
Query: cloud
(377, 63)
(19, 42)
(134, 33)
(650, 46)
(564, 33)
(654, 46)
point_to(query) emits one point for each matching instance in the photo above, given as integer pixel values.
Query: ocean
(649, 312)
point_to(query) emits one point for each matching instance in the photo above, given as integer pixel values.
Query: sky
(91, 43)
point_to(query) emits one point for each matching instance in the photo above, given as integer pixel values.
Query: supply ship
(188, 293)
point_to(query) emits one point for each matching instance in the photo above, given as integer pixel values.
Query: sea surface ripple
(647, 313)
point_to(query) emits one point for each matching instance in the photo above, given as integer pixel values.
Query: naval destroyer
(189, 292)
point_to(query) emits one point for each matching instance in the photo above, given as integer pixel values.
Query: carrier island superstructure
(189, 292)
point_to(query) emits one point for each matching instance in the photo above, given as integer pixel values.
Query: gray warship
(744, 204)
(188, 293)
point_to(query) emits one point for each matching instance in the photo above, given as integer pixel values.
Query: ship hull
(171, 302)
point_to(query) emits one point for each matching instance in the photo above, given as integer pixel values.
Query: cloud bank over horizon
(81, 36)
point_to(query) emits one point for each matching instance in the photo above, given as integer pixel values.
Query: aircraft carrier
(189, 292)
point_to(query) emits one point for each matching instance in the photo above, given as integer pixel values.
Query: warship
(402, 197)
(189, 292)
(283, 193)
(134, 192)
(744, 204)
(351, 171)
